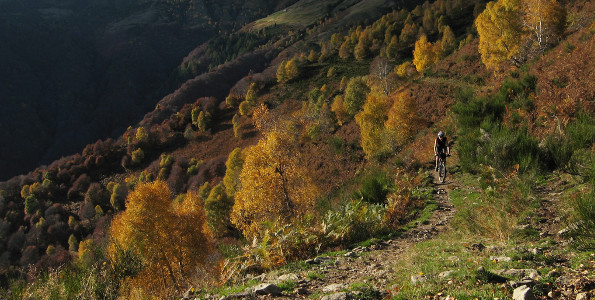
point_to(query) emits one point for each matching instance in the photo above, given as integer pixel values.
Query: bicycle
(442, 167)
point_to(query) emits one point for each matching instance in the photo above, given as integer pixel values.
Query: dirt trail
(373, 265)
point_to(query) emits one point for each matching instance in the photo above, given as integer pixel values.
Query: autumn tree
(233, 168)
(403, 118)
(275, 186)
(338, 107)
(218, 208)
(362, 49)
(392, 50)
(355, 95)
(235, 121)
(500, 29)
(371, 123)
(405, 70)
(336, 40)
(203, 121)
(544, 20)
(380, 70)
(346, 49)
(281, 74)
(292, 69)
(170, 239)
(447, 43)
(312, 56)
(287, 70)
(118, 196)
(408, 35)
(424, 54)
(250, 99)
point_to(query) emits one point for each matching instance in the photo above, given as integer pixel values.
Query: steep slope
(77, 72)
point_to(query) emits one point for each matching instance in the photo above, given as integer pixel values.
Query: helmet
(440, 134)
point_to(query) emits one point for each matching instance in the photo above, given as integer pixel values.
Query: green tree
(392, 50)
(218, 208)
(355, 95)
(235, 121)
(281, 72)
(233, 168)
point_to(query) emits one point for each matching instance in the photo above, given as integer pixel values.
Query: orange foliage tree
(170, 238)
(371, 122)
(274, 184)
(403, 119)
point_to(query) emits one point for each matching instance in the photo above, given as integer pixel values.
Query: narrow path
(373, 265)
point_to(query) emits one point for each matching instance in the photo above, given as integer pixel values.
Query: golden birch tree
(274, 184)
(169, 237)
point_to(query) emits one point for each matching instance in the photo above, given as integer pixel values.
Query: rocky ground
(372, 268)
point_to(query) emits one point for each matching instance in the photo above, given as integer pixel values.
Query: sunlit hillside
(296, 152)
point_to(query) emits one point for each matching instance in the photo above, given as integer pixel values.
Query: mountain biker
(440, 147)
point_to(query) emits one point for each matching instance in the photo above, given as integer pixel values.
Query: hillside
(74, 72)
(295, 138)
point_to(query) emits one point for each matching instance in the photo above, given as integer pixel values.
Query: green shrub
(337, 144)
(561, 147)
(374, 187)
(355, 221)
(584, 207)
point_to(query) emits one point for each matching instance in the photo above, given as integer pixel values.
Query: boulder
(267, 289)
(337, 296)
(335, 287)
(288, 277)
(523, 293)
(445, 274)
(416, 279)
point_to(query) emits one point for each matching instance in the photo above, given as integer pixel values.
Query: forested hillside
(73, 73)
(292, 137)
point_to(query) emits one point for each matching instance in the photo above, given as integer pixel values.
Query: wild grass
(93, 282)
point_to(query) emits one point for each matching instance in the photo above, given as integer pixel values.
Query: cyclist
(440, 147)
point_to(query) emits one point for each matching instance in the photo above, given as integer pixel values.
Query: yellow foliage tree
(338, 107)
(362, 49)
(281, 74)
(424, 54)
(274, 185)
(312, 56)
(499, 27)
(169, 237)
(403, 119)
(291, 69)
(371, 123)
